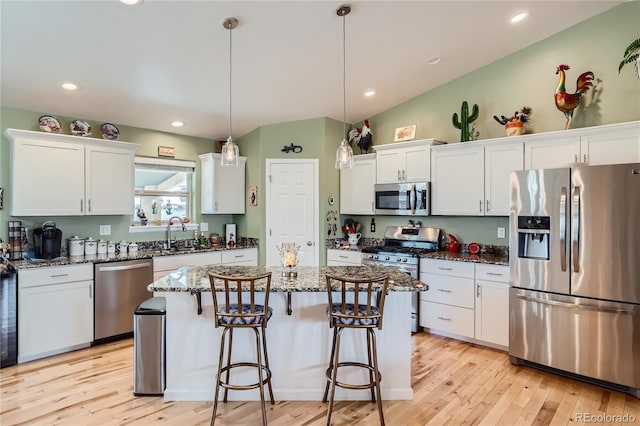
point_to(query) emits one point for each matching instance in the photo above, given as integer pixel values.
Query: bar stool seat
(232, 313)
(355, 315)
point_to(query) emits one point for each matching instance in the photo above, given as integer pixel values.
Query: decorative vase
(514, 128)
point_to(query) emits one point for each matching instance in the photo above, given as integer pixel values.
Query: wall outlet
(501, 232)
(105, 229)
(204, 226)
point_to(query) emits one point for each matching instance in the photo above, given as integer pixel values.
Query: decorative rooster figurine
(567, 102)
(365, 137)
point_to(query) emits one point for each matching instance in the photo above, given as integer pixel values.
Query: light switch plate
(501, 232)
(204, 226)
(105, 229)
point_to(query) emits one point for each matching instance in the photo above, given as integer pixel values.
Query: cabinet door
(416, 164)
(356, 186)
(457, 181)
(389, 166)
(54, 318)
(499, 162)
(553, 153)
(222, 187)
(47, 178)
(492, 312)
(611, 146)
(336, 257)
(109, 174)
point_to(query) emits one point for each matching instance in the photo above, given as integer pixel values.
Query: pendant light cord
(344, 79)
(230, 74)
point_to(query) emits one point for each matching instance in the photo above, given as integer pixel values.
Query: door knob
(309, 243)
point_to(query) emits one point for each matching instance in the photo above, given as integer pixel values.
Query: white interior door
(292, 195)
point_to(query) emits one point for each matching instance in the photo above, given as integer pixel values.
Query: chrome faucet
(184, 228)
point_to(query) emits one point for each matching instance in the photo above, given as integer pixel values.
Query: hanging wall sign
(253, 195)
(166, 151)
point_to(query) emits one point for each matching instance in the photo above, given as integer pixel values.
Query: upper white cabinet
(404, 161)
(609, 144)
(356, 186)
(472, 179)
(222, 187)
(62, 175)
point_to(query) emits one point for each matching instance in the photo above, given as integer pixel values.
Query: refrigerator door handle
(576, 305)
(563, 229)
(575, 229)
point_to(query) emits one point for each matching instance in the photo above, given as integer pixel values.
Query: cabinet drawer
(451, 319)
(454, 291)
(498, 273)
(344, 257)
(240, 255)
(54, 275)
(447, 267)
(169, 263)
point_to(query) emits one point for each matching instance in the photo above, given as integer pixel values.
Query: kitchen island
(298, 335)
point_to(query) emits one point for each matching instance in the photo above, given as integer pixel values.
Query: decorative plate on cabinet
(80, 128)
(109, 131)
(474, 248)
(50, 124)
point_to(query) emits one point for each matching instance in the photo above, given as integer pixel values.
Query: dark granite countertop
(466, 257)
(309, 279)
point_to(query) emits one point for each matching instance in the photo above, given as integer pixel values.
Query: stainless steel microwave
(403, 199)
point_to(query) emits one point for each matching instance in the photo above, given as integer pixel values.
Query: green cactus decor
(465, 120)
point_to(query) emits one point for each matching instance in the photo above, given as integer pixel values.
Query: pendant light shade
(344, 154)
(230, 151)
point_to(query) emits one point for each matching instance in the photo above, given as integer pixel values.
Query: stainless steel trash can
(149, 347)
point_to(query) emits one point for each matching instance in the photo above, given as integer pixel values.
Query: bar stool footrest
(256, 385)
(352, 386)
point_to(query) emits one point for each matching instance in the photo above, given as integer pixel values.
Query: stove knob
(404, 260)
(399, 259)
(387, 258)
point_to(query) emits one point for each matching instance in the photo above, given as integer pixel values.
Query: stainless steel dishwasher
(119, 288)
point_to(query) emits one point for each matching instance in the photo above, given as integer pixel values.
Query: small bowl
(474, 248)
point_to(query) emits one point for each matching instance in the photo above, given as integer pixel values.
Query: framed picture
(406, 133)
(253, 195)
(166, 151)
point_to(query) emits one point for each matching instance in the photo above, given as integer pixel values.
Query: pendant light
(344, 154)
(230, 152)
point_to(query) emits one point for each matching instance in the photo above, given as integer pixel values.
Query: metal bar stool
(361, 314)
(233, 313)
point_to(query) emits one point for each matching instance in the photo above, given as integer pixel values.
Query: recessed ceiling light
(177, 123)
(434, 60)
(370, 93)
(518, 17)
(131, 2)
(69, 86)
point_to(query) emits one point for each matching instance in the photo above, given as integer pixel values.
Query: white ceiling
(147, 65)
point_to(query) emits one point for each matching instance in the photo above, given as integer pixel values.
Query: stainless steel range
(402, 248)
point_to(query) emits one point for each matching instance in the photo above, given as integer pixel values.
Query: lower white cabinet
(55, 310)
(336, 257)
(245, 257)
(162, 265)
(470, 300)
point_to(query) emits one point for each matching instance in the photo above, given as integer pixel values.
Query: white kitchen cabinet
(62, 175)
(609, 144)
(472, 179)
(245, 257)
(404, 161)
(55, 310)
(222, 187)
(356, 186)
(448, 306)
(337, 257)
(492, 304)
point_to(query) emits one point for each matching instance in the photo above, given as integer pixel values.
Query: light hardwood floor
(454, 383)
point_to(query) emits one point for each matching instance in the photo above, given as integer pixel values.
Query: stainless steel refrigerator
(574, 302)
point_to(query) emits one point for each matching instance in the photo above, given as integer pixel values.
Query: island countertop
(309, 279)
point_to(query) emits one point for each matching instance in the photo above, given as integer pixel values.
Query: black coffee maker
(47, 241)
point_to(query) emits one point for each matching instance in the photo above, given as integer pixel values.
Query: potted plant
(514, 125)
(631, 55)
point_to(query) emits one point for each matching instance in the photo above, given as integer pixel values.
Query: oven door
(403, 199)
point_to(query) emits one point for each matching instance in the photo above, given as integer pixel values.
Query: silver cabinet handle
(399, 178)
(562, 226)
(239, 256)
(575, 158)
(91, 292)
(59, 275)
(480, 201)
(444, 290)
(444, 319)
(125, 268)
(495, 273)
(216, 206)
(444, 269)
(89, 206)
(585, 158)
(343, 257)
(404, 174)
(81, 206)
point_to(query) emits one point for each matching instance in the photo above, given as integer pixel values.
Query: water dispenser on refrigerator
(533, 237)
